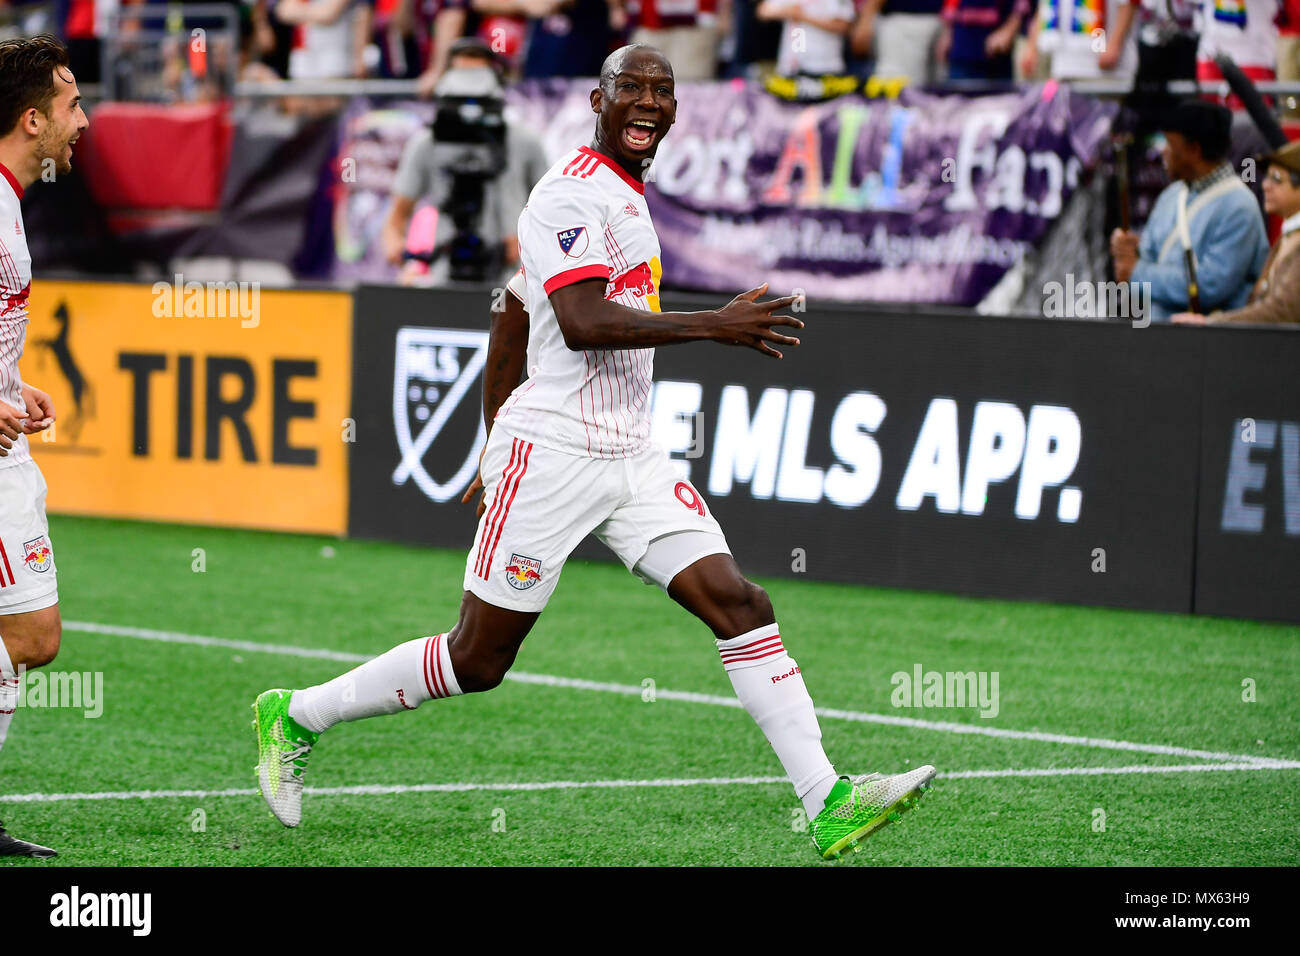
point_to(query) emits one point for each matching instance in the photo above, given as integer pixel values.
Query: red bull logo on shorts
(522, 573)
(37, 554)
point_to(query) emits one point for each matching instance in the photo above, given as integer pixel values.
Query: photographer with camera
(475, 168)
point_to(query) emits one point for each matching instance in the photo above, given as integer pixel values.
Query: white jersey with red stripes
(15, 284)
(586, 218)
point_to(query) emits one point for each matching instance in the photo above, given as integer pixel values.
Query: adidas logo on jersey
(630, 210)
(18, 228)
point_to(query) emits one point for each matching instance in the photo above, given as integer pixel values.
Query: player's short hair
(27, 76)
(613, 64)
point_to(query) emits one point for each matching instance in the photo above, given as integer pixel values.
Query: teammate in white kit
(40, 119)
(569, 454)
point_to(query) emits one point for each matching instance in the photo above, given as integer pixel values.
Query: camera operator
(474, 167)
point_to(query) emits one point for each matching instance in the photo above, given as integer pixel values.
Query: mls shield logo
(522, 573)
(435, 369)
(573, 241)
(37, 554)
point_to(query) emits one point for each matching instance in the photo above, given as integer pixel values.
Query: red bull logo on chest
(642, 281)
(522, 573)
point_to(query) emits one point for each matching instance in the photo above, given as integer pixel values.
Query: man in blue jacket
(1206, 209)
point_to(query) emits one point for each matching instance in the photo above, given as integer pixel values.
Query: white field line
(573, 683)
(388, 789)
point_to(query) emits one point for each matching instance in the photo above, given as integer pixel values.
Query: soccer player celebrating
(40, 119)
(569, 454)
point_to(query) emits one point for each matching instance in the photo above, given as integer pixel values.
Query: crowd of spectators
(1206, 217)
(1204, 253)
(925, 41)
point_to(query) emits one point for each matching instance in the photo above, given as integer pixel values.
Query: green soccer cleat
(283, 747)
(857, 807)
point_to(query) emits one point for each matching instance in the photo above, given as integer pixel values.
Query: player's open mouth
(639, 134)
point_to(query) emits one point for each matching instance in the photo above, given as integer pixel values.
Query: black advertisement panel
(1248, 535)
(417, 380)
(1028, 459)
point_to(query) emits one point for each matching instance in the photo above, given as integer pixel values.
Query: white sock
(8, 691)
(400, 679)
(770, 686)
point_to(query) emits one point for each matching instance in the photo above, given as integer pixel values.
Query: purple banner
(371, 141)
(925, 198)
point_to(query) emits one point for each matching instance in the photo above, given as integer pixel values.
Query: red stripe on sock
(742, 647)
(438, 680)
(762, 645)
(753, 657)
(428, 681)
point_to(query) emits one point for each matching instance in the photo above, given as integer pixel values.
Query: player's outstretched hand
(40, 410)
(11, 426)
(475, 487)
(746, 321)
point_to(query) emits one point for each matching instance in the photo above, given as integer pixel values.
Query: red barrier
(150, 156)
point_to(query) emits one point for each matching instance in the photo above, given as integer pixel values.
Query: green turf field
(176, 718)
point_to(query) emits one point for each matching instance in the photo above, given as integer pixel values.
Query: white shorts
(542, 503)
(28, 578)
